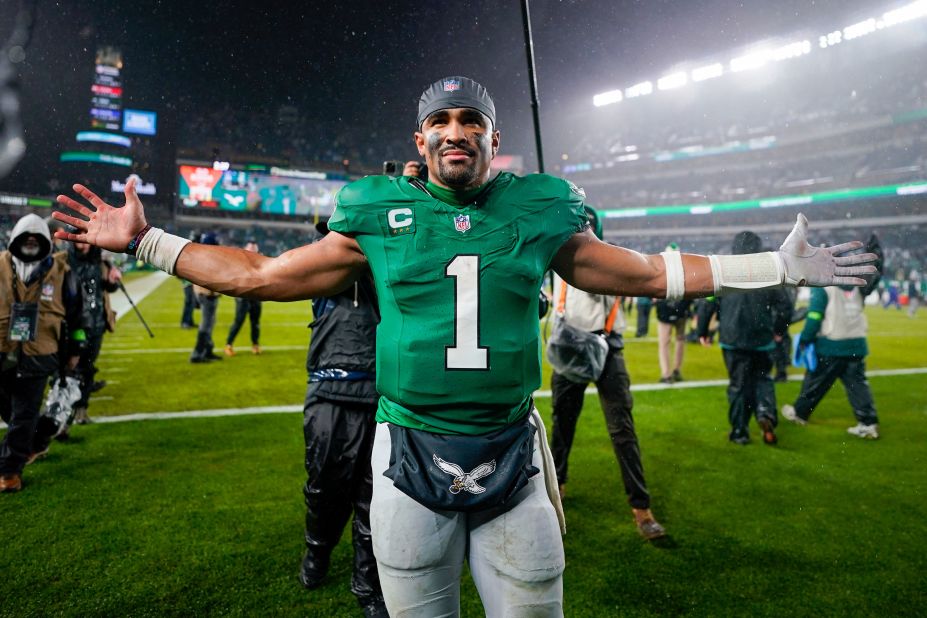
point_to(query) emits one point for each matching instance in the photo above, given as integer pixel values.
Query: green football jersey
(458, 344)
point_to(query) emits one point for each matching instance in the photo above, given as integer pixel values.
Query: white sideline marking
(151, 416)
(703, 383)
(138, 289)
(157, 416)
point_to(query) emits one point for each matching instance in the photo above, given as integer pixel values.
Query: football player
(458, 262)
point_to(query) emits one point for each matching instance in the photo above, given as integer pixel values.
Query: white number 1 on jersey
(466, 352)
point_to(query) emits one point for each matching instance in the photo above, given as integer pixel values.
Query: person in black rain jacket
(749, 325)
(339, 425)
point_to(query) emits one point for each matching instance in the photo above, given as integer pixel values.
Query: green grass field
(205, 517)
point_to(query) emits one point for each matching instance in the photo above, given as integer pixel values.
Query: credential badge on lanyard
(23, 321)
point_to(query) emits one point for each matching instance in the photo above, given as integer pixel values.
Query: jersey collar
(419, 190)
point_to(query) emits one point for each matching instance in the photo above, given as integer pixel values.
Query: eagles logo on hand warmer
(465, 480)
(501, 460)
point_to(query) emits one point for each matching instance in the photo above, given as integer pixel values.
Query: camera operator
(98, 278)
(409, 168)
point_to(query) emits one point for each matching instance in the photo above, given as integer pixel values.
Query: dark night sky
(366, 63)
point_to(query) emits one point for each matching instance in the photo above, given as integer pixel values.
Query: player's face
(458, 145)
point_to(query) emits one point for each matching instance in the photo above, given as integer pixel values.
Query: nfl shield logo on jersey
(450, 85)
(462, 223)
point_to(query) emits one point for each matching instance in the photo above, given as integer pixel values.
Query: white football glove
(820, 266)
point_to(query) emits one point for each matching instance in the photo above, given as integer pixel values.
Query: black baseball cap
(456, 91)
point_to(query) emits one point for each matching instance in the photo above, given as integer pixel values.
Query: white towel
(549, 471)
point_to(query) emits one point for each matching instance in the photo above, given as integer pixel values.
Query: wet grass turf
(205, 516)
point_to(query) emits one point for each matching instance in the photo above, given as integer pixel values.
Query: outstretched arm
(594, 266)
(319, 269)
(587, 263)
(323, 268)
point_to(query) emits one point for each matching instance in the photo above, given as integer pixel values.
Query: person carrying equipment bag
(600, 316)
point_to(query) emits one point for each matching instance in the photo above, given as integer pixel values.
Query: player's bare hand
(822, 266)
(100, 224)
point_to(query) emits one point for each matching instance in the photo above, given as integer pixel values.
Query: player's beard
(461, 175)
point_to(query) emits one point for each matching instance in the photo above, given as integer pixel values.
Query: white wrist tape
(161, 249)
(752, 271)
(675, 276)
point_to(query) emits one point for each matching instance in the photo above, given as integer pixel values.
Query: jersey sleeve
(356, 206)
(559, 209)
(575, 202)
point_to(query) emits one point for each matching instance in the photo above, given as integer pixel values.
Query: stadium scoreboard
(257, 188)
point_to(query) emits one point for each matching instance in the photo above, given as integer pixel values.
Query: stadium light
(638, 90)
(792, 50)
(905, 13)
(830, 39)
(760, 57)
(707, 72)
(607, 98)
(859, 29)
(751, 61)
(675, 80)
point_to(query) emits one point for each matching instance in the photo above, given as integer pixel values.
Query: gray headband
(451, 92)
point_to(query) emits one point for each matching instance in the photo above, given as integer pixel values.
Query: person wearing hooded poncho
(40, 317)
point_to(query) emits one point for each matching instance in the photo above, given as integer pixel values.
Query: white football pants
(516, 558)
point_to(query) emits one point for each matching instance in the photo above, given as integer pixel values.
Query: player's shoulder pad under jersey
(367, 190)
(358, 202)
(547, 187)
(555, 197)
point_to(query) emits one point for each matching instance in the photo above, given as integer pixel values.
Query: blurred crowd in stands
(827, 121)
(286, 136)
